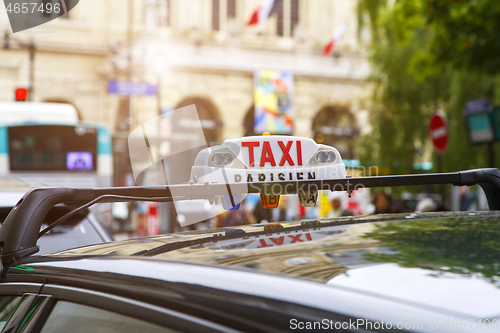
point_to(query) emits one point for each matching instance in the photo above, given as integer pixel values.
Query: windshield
(70, 236)
(78, 230)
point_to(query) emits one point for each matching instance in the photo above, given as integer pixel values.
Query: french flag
(337, 35)
(262, 13)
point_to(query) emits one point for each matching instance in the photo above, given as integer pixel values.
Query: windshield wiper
(305, 226)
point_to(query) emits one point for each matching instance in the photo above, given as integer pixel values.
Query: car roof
(388, 258)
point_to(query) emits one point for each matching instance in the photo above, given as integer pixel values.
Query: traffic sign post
(438, 132)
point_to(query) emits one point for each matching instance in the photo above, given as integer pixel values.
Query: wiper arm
(305, 225)
(314, 225)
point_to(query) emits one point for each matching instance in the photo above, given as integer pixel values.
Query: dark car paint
(235, 294)
(271, 300)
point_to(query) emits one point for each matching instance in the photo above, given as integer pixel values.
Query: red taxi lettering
(295, 239)
(264, 244)
(299, 152)
(286, 153)
(267, 155)
(278, 241)
(281, 240)
(250, 145)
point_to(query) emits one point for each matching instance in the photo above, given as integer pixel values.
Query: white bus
(46, 144)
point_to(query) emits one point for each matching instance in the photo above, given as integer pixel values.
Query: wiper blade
(305, 225)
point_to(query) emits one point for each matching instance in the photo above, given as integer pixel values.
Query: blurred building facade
(198, 52)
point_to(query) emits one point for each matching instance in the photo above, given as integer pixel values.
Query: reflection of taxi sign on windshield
(278, 239)
(268, 159)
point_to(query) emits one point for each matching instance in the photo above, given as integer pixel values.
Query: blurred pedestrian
(337, 209)
(468, 199)
(283, 212)
(383, 204)
(261, 214)
(231, 218)
(426, 205)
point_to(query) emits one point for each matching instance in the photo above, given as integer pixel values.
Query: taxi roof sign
(263, 159)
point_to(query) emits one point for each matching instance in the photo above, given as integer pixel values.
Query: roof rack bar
(19, 232)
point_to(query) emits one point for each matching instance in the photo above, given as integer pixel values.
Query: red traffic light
(21, 94)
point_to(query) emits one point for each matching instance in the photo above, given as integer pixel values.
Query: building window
(157, 13)
(287, 12)
(222, 10)
(165, 13)
(231, 8)
(216, 15)
(294, 15)
(280, 27)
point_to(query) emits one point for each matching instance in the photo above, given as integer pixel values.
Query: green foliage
(460, 245)
(412, 79)
(368, 10)
(465, 33)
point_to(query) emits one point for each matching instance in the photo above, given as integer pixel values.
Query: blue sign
(79, 160)
(477, 105)
(126, 88)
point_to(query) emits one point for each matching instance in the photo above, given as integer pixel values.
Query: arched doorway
(209, 115)
(249, 121)
(335, 125)
(185, 136)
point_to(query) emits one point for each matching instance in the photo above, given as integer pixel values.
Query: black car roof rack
(21, 229)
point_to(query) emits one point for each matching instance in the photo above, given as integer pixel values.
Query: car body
(82, 229)
(415, 272)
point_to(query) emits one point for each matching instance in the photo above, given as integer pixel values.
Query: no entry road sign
(438, 131)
